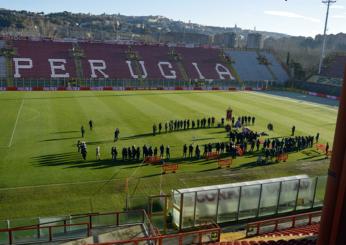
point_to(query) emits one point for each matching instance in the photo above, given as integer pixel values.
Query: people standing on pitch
(168, 152)
(91, 124)
(197, 152)
(114, 153)
(116, 134)
(166, 127)
(327, 149)
(154, 129)
(190, 151)
(98, 153)
(317, 137)
(162, 149)
(160, 128)
(84, 150)
(253, 120)
(184, 150)
(293, 130)
(82, 130)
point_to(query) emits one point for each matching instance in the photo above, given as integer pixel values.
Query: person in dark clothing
(145, 151)
(293, 130)
(198, 123)
(82, 130)
(91, 124)
(166, 127)
(205, 150)
(213, 121)
(327, 148)
(258, 144)
(209, 121)
(190, 151)
(197, 152)
(184, 150)
(253, 120)
(116, 134)
(193, 124)
(155, 151)
(317, 137)
(129, 153)
(249, 120)
(138, 153)
(114, 153)
(222, 121)
(162, 149)
(150, 151)
(233, 119)
(160, 128)
(210, 147)
(154, 129)
(188, 123)
(83, 150)
(168, 152)
(124, 153)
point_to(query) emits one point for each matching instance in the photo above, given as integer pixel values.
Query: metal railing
(278, 224)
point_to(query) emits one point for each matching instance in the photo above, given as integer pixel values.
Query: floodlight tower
(328, 2)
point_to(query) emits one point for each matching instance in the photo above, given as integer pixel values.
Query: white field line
(51, 185)
(15, 124)
(283, 98)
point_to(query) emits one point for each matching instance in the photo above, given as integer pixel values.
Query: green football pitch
(42, 174)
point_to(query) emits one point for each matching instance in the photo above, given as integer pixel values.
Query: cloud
(290, 15)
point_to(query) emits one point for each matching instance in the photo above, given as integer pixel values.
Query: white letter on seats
(54, 67)
(17, 66)
(133, 75)
(173, 74)
(200, 75)
(223, 72)
(98, 65)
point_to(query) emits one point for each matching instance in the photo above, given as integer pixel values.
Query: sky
(293, 17)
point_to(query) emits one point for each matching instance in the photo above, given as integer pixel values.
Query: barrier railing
(278, 224)
(44, 232)
(207, 234)
(26, 235)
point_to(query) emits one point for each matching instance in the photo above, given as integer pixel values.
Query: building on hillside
(227, 40)
(254, 40)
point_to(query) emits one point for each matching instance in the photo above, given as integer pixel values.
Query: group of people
(91, 125)
(243, 121)
(176, 125)
(82, 148)
(134, 153)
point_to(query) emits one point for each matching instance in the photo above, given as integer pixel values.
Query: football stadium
(126, 141)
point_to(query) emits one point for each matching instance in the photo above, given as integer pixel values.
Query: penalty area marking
(15, 124)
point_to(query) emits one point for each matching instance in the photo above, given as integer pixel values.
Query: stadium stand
(248, 66)
(34, 59)
(37, 62)
(334, 66)
(206, 59)
(152, 55)
(3, 73)
(276, 67)
(113, 56)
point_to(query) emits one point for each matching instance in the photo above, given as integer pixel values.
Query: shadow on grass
(66, 132)
(74, 160)
(58, 139)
